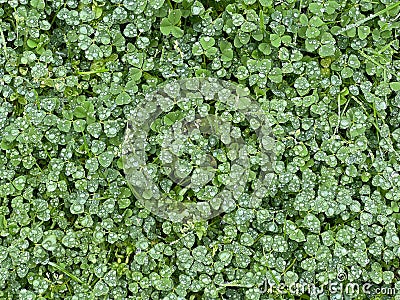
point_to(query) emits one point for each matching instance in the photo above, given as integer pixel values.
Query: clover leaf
(169, 25)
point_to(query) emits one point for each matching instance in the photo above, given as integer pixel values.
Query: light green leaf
(123, 98)
(327, 50)
(177, 32)
(363, 32)
(156, 4)
(266, 3)
(174, 16)
(275, 40)
(39, 4)
(395, 86)
(106, 158)
(207, 42)
(197, 8)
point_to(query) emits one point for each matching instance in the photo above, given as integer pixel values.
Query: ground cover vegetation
(325, 74)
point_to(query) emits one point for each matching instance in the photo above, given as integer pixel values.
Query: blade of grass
(368, 57)
(3, 42)
(72, 276)
(262, 21)
(92, 72)
(359, 23)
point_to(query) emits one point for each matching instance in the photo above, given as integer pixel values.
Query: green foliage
(169, 25)
(325, 77)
